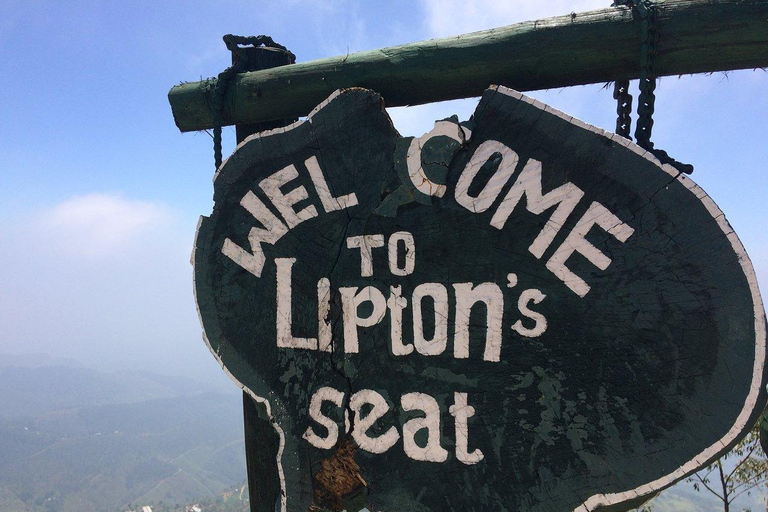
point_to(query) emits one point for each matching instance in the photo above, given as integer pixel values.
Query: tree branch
(751, 481)
(742, 461)
(708, 487)
(757, 483)
(723, 481)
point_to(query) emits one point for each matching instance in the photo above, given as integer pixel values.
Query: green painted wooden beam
(696, 36)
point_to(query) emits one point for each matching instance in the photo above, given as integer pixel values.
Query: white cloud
(96, 225)
(105, 280)
(454, 17)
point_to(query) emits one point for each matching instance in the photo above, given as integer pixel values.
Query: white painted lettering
(284, 320)
(410, 253)
(285, 202)
(272, 231)
(528, 184)
(439, 340)
(415, 167)
(432, 451)
(376, 408)
(324, 332)
(366, 244)
(540, 325)
(350, 301)
(325, 394)
(329, 202)
(396, 303)
(467, 296)
(500, 177)
(361, 424)
(596, 215)
(461, 411)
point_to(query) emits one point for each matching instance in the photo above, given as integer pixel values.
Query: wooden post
(695, 36)
(260, 436)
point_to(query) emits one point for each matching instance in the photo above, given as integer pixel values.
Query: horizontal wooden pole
(695, 36)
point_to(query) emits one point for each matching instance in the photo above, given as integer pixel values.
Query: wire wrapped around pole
(234, 44)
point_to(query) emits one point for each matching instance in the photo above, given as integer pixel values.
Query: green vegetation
(232, 499)
(97, 458)
(735, 482)
(742, 471)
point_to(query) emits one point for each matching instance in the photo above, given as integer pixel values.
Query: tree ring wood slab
(521, 312)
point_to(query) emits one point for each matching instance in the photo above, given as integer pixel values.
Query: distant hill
(32, 391)
(35, 361)
(79, 440)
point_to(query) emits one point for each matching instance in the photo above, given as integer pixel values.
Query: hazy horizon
(100, 193)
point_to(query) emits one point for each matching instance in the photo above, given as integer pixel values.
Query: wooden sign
(520, 313)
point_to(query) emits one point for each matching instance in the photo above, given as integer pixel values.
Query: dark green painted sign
(521, 312)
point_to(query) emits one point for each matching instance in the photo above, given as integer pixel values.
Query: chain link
(219, 84)
(623, 108)
(646, 101)
(622, 96)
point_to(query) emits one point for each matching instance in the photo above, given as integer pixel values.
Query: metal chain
(623, 108)
(219, 84)
(622, 96)
(646, 101)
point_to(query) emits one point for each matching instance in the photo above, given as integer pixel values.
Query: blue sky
(100, 193)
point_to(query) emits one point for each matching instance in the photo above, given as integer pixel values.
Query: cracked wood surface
(695, 36)
(631, 341)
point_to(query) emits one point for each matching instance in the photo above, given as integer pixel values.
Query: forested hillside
(81, 440)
